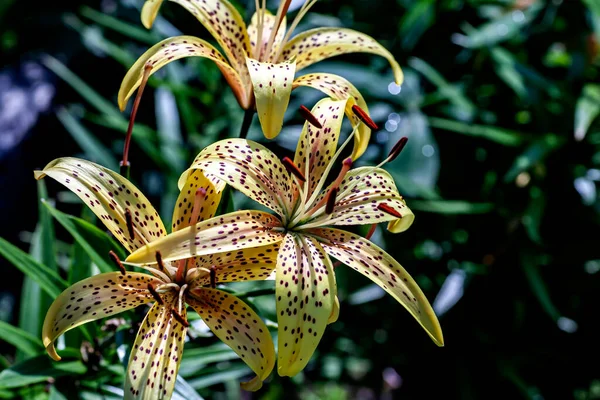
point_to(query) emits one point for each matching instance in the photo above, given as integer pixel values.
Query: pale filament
(281, 11)
(181, 292)
(303, 10)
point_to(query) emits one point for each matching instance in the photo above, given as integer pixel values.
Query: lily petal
(357, 203)
(272, 85)
(250, 168)
(251, 264)
(172, 49)
(156, 353)
(94, 298)
(305, 290)
(319, 145)
(335, 311)
(374, 263)
(339, 88)
(229, 232)
(149, 12)
(268, 23)
(318, 44)
(109, 196)
(227, 26)
(182, 215)
(238, 326)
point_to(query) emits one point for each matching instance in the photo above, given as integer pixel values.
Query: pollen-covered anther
(293, 169)
(213, 277)
(159, 261)
(117, 262)
(388, 210)
(145, 75)
(330, 205)
(308, 116)
(180, 318)
(155, 294)
(397, 148)
(371, 231)
(129, 222)
(364, 117)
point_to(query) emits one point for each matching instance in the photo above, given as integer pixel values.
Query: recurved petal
(250, 264)
(362, 192)
(305, 290)
(272, 85)
(339, 88)
(94, 298)
(172, 49)
(238, 326)
(208, 201)
(317, 146)
(318, 44)
(227, 26)
(156, 353)
(268, 25)
(335, 311)
(109, 196)
(250, 168)
(371, 261)
(229, 232)
(150, 11)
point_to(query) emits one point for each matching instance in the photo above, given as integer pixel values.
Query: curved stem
(248, 115)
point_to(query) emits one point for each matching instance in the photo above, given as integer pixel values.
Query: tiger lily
(261, 59)
(126, 212)
(305, 282)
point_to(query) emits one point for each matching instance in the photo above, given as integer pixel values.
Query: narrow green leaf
(38, 369)
(21, 339)
(535, 153)
(184, 391)
(502, 136)
(586, 110)
(55, 394)
(235, 372)
(117, 25)
(94, 241)
(450, 206)
(44, 276)
(538, 286)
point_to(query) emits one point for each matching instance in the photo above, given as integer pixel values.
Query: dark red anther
(364, 117)
(310, 117)
(330, 205)
(388, 210)
(180, 318)
(213, 277)
(371, 231)
(155, 294)
(115, 259)
(397, 148)
(159, 261)
(293, 169)
(129, 221)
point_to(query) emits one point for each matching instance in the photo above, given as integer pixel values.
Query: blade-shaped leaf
(21, 339)
(38, 369)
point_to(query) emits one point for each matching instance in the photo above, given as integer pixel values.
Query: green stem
(124, 169)
(248, 115)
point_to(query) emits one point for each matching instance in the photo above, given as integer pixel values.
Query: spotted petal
(229, 232)
(356, 203)
(238, 326)
(318, 44)
(272, 85)
(250, 264)
(371, 261)
(156, 353)
(268, 24)
(182, 215)
(305, 290)
(339, 88)
(228, 28)
(149, 12)
(250, 168)
(109, 196)
(172, 49)
(94, 298)
(318, 145)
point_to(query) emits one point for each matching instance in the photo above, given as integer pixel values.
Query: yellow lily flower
(222, 257)
(305, 281)
(261, 60)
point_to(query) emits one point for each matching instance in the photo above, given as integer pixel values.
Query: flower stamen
(331, 200)
(155, 294)
(388, 210)
(213, 277)
(293, 169)
(159, 261)
(117, 262)
(181, 271)
(308, 116)
(364, 117)
(179, 318)
(397, 149)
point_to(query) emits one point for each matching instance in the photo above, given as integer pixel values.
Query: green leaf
(502, 136)
(184, 391)
(94, 241)
(234, 372)
(44, 276)
(94, 149)
(21, 339)
(535, 153)
(538, 286)
(196, 359)
(55, 394)
(450, 206)
(38, 369)
(126, 29)
(587, 109)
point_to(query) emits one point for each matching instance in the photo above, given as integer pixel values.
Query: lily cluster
(310, 197)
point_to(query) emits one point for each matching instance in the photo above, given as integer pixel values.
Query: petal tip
(252, 385)
(51, 350)
(38, 175)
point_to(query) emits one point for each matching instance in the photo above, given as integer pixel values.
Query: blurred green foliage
(500, 104)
